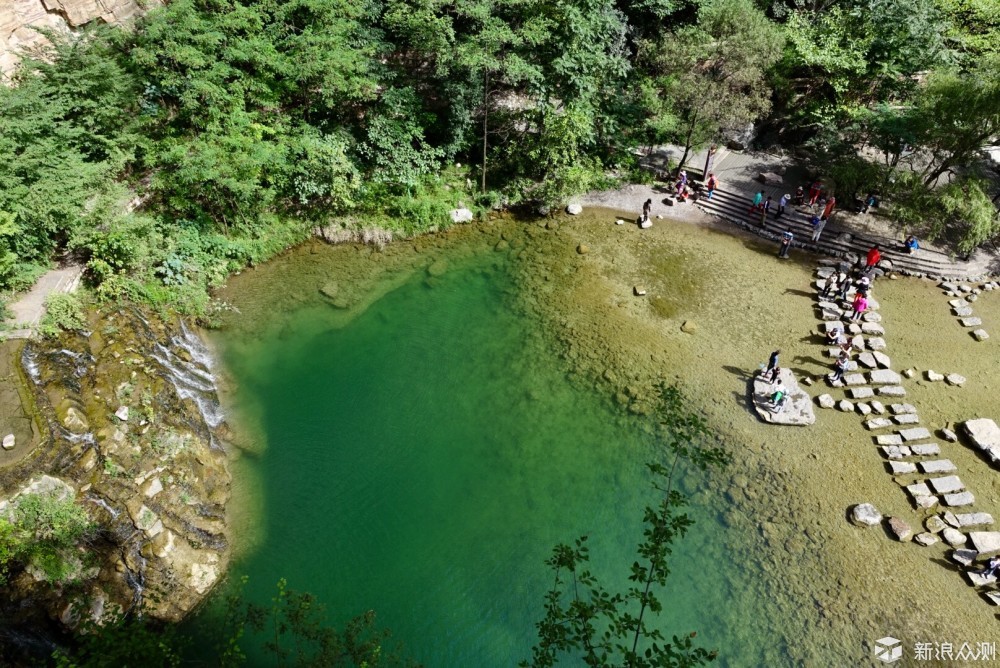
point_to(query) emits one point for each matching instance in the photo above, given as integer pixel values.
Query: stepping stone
(985, 436)
(895, 451)
(958, 303)
(959, 499)
(964, 288)
(900, 528)
(954, 537)
(934, 524)
(878, 407)
(825, 401)
(985, 542)
(973, 297)
(833, 352)
(950, 518)
(914, 434)
(891, 391)
(947, 285)
(873, 304)
(828, 305)
(861, 392)
(832, 327)
(858, 342)
(863, 408)
(882, 359)
(824, 272)
(980, 335)
(963, 312)
(926, 501)
(972, 519)
(854, 328)
(964, 557)
(898, 409)
(871, 317)
(934, 376)
(938, 466)
(855, 379)
(907, 418)
(876, 343)
(971, 322)
(918, 489)
(867, 360)
(829, 314)
(947, 484)
(902, 468)
(926, 449)
(979, 580)
(890, 439)
(880, 423)
(872, 328)
(925, 539)
(845, 405)
(884, 377)
(909, 373)
(954, 379)
(949, 435)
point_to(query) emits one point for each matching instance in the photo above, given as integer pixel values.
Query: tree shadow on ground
(742, 374)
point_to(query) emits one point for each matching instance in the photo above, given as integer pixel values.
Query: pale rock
(985, 542)
(907, 418)
(882, 359)
(946, 484)
(845, 405)
(825, 401)
(574, 209)
(861, 392)
(154, 488)
(954, 379)
(926, 449)
(934, 376)
(865, 514)
(880, 423)
(953, 537)
(914, 434)
(854, 379)
(898, 409)
(971, 322)
(959, 499)
(964, 557)
(871, 316)
(973, 519)
(8, 442)
(202, 577)
(891, 391)
(872, 328)
(925, 539)
(863, 408)
(876, 343)
(985, 436)
(122, 413)
(902, 468)
(878, 407)
(900, 528)
(949, 435)
(980, 334)
(909, 373)
(938, 466)
(963, 312)
(461, 215)
(934, 524)
(890, 440)
(980, 580)
(867, 360)
(884, 377)
(958, 303)
(951, 519)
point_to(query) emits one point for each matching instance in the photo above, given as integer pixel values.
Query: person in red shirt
(814, 191)
(830, 203)
(874, 256)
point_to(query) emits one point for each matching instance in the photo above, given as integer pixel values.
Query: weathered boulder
(825, 401)
(925, 539)
(797, 410)
(985, 436)
(899, 528)
(865, 514)
(934, 376)
(461, 215)
(971, 322)
(954, 379)
(953, 537)
(935, 524)
(985, 542)
(980, 334)
(574, 209)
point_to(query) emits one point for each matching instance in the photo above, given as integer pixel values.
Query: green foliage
(967, 209)
(63, 312)
(589, 625)
(43, 528)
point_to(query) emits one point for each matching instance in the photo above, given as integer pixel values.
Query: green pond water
(423, 459)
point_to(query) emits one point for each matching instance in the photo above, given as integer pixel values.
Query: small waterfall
(29, 359)
(103, 504)
(136, 579)
(192, 378)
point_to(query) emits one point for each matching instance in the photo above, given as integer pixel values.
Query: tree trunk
(687, 144)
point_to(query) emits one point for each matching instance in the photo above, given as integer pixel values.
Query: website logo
(888, 649)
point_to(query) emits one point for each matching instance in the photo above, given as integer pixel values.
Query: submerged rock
(900, 529)
(797, 409)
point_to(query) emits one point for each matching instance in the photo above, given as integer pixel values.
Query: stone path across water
(913, 459)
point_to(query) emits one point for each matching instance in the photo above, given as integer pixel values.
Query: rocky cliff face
(19, 17)
(134, 421)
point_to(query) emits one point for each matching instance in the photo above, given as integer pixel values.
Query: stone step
(947, 484)
(914, 434)
(938, 466)
(959, 499)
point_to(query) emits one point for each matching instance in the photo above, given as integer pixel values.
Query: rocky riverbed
(130, 428)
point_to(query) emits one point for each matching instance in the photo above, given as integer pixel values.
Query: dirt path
(29, 307)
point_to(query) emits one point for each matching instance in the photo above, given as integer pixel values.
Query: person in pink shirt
(860, 305)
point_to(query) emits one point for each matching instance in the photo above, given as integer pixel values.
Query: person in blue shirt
(911, 244)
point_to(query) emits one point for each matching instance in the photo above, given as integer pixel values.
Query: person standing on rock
(832, 284)
(817, 224)
(647, 206)
(772, 366)
(992, 567)
(711, 185)
(840, 366)
(786, 243)
(782, 203)
(860, 305)
(828, 209)
(874, 257)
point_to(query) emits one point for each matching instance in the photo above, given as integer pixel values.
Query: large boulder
(461, 215)
(985, 436)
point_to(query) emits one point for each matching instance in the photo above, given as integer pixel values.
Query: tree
(714, 72)
(600, 628)
(43, 528)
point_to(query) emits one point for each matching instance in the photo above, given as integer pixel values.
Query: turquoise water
(423, 460)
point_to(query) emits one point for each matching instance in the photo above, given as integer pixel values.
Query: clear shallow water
(423, 459)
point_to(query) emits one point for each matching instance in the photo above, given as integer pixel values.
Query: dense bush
(42, 530)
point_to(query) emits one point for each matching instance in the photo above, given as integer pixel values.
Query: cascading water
(192, 378)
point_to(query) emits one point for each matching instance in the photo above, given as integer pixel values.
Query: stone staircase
(838, 241)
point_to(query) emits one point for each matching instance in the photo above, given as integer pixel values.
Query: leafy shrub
(42, 528)
(63, 312)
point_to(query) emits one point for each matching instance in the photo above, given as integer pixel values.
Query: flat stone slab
(854, 328)
(954, 537)
(985, 542)
(831, 314)
(861, 393)
(899, 409)
(881, 423)
(918, 489)
(964, 557)
(973, 519)
(884, 377)
(959, 499)
(926, 539)
(891, 391)
(985, 436)
(895, 451)
(926, 449)
(971, 322)
(882, 359)
(872, 328)
(876, 343)
(824, 272)
(878, 407)
(958, 303)
(863, 408)
(902, 468)
(855, 379)
(947, 484)
(979, 580)
(832, 326)
(798, 408)
(871, 316)
(914, 434)
(938, 466)
(845, 405)
(867, 360)
(907, 418)
(954, 379)
(949, 435)
(980, 335)
(963, 311)
(890, 439)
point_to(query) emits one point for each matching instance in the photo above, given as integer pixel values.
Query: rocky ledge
(133, 427)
